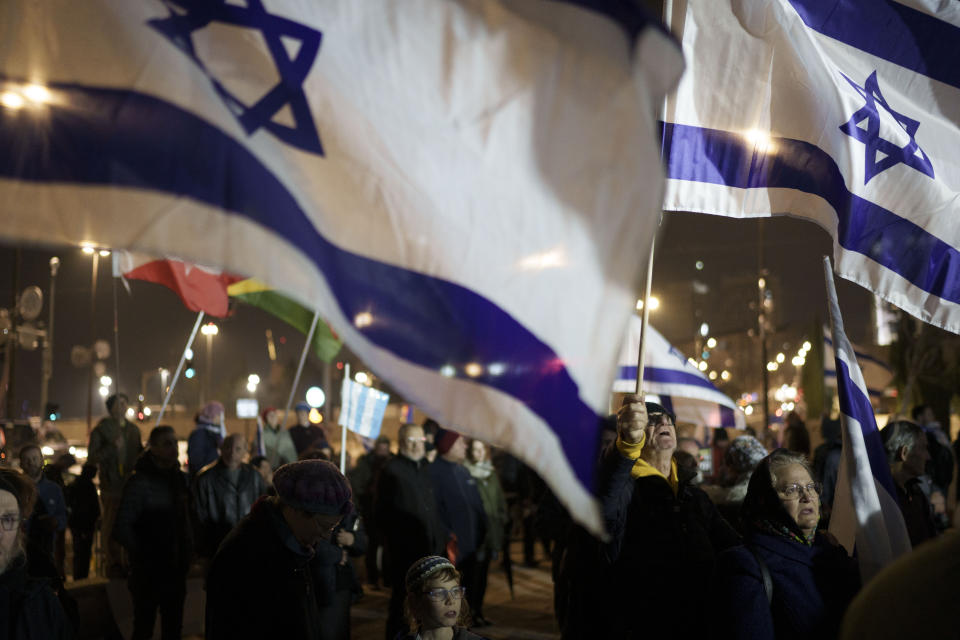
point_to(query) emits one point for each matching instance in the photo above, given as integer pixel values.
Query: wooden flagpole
(176, 376)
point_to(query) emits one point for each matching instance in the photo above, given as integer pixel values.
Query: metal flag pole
(176, 376)
(645, 318)
(116, 331)
(303, 358)
(343, 424)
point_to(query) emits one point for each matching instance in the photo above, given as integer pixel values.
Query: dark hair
(413, 605)
(899, 434)
(89, 471)
(112, 400)
(156, 432)
(256, 461)
(28, 447)
(918, 411)
(22, 488)
(313, 453)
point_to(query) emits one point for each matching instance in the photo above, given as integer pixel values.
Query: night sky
(154, 325)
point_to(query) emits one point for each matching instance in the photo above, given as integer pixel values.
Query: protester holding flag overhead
(662, 531)
(786, 581)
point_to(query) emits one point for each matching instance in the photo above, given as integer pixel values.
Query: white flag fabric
(460, 188)
(362, 408)
(865, 510)
(842, 113)
(680, 386)
(877, 375)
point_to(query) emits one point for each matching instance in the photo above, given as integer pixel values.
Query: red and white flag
(200, 288)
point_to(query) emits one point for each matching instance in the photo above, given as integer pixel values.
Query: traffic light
(51, 411)
(189, 371)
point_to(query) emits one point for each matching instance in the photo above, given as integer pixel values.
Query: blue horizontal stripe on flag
(891, 31)
(856, 405)
(827, 373)
(720, 157)
(726, 417)
(130, 139)
(665, 376)
(863, 357)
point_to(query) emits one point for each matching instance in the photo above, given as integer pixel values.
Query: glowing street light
(704, 330)
(104, 391)
(253, 378)
(654, 303)
(772, 366)
(316, 397)
(781, 358)
(106, 381)
(209, 329)
(724, 375)
(711, 343)
(362, 377)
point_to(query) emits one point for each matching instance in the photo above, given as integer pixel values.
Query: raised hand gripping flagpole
(176, 376)
(303, 358)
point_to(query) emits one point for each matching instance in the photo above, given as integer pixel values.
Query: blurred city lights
(702, 366)
(316, 397)
(497, 368)
(104, 391)
(448, 371)
(748, 409)
(798, 361)
(762, 283)
(104, 253)
(147, 411)
(106, 381)
(130, 413)
(254, 378)
(699, 265)
(188, 354)
(11, 100)
(807, 346)
(315, 416)
(251, 387)
(724, 375)
(704, 329)
(362, 377)
(473, 369)
(209, 329)
(87, 249)
(37, 93)
(781, 358)
(654, 304)
(772, 366)
(711, 343)
(363, 319)
(713, 375)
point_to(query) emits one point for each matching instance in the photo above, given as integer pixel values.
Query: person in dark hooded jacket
(29, 609)
(153, 524)
(664, 533)
(786, 581)
(262, 582)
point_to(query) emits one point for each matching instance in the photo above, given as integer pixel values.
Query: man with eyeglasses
(405, 510)
(664, 532)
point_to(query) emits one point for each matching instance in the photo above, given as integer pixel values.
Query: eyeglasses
(412, 440)
(439, 595)
(9, 521)
(792, 491)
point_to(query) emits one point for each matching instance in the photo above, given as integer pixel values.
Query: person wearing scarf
(810, 578)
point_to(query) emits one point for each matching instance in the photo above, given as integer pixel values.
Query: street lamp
(209, 330)
(252, 381)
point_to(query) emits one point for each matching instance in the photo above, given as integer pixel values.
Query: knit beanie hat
(211, 413)
(744, 454)
(445, 439)
(315, 486)
(423, 568)
(302, 406)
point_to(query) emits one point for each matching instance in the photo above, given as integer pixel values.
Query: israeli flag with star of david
(458, 187)
(846, 113)
(675, 381)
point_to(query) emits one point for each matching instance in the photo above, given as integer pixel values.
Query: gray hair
(899, 434)
(783, 458)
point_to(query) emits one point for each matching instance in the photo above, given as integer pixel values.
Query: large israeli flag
(673, 378)
(459, 187)
(843, 113)
(865, 510)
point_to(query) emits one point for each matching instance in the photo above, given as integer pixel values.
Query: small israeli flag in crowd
(865, 509)
(362, 408)
(842, 113)
(672, 377)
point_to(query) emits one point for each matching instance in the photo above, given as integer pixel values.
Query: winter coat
(219, 505)
(83, 505)
(203, 447)
(812, 586)
(153, 521)
(406, 513)
(363, 479)
(459, 505)
(49, 516)
(494, 504)
(260, 584)
(29, 609)
(278, 446)
(664, 537)
(334, 581)
(103, 452)
(460, 633)
(310, 436)
(917, 512)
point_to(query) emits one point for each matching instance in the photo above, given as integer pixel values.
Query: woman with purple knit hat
(261, 582)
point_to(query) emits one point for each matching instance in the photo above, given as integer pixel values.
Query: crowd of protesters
(276, 537)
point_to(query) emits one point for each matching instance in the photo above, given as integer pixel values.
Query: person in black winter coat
(223, 493)
(29, 609)
(261, 582)
(406, 512)
(153, 524)
(205, 440)
(811, 579)
(460, 508)
(83, 507)
(664, 534)
(335, 578)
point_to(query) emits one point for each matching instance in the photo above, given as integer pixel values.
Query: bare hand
(632, 418)
(343, 558)
(345, 538)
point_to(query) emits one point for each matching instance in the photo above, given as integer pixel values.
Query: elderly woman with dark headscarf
(786, 581)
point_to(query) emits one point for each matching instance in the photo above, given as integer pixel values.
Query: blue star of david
(910, 154)
(189, 16)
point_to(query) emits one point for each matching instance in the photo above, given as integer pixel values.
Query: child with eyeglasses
(436, 607)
